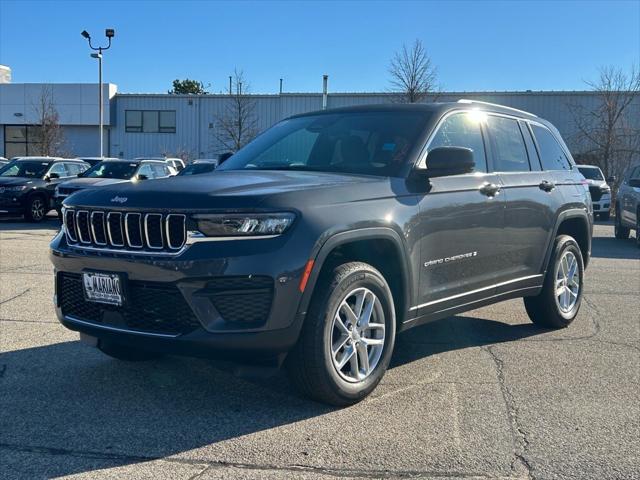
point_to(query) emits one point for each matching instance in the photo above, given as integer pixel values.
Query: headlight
(234, 225)
(15, 189)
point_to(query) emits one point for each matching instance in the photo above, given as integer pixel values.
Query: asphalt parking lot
(480, 395)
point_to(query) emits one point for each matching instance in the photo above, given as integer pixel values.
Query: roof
(47, 159)
(422, 107)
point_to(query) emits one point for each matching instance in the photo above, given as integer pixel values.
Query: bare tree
(609, 132)
(51, 137)
(238, 124)
(413, 74)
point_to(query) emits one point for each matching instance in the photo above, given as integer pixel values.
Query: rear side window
(551, 153)
(534, 160)
(462, 130)
(509, 152)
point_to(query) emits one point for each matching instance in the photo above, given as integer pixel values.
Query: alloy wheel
(567, 285)
(357, 335)
(37, 209)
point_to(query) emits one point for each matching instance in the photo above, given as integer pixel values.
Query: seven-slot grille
(127, 231)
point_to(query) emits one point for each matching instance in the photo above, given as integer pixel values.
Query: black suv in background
(27, 184)
(628, 205)
(328, 234)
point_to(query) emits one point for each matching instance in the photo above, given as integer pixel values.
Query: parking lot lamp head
(86, 35)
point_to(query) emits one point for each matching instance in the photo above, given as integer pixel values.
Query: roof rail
(465, 100)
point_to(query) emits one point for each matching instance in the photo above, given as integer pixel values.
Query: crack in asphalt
(15, 296)
(123, 459)
(519, 435)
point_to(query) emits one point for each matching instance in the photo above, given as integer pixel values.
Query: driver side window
(462, 130)
(146, 170)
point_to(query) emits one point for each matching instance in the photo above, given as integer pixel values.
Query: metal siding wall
(196, 123)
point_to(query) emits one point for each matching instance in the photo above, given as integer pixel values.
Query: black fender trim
(321, 252)
(565, 215)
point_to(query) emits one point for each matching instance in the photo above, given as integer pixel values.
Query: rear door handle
(547, 186)
(490, 189)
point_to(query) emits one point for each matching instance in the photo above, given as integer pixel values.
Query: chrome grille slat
(143, 233)
(70, 225)
(117, 215)
(151, 216)
(101, 230)
(182, 219)
(82, 219)
(128, 235)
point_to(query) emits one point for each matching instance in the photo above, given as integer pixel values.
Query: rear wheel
(126, 353)
(348, 336)
(559, 301)
(621, 232)
(36, 209)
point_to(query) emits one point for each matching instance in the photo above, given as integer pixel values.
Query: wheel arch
(576, 224)
(380, 247)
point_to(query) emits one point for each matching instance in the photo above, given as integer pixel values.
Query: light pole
(109, 33)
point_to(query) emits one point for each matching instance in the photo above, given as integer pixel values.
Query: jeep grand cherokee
(328, 234)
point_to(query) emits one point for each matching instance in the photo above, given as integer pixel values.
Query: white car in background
(599, 190)
(176, 163)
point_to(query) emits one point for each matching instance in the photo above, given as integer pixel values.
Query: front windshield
(370, 143)
(591, 173)
(119, 170)
(197, 168)
(21, 168)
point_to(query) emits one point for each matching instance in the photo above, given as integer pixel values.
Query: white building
(185, 125)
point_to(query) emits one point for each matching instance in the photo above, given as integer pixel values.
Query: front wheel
(36, 209)
(348, 336)
(557, 305)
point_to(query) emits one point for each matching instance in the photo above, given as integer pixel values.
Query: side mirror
(80, 174)
(53, 175)
(141, 177)
(224, 157)
(611, 179)
(445, 161)
(634, 182)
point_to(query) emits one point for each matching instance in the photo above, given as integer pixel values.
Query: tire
(605, 217)
(327, 339)
(621, 232)
(36, 209)
(547, 309)
(126, 353)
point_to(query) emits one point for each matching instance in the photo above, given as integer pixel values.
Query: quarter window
(150, 121)
(509, 152)
(551, 153)
(462, 130)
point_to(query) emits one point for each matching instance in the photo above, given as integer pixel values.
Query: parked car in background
(325, 236)
(176, 163)
(27, 185)
(198, 167)
(599, 190)
(95, 160)
(628, 205)
(112, 171)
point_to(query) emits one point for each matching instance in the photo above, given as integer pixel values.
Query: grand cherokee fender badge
(118, 199)
(453, 258)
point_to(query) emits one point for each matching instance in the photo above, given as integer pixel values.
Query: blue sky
(517, 45)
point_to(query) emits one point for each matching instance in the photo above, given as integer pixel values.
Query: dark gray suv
(325, 236)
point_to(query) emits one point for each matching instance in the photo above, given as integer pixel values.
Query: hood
(224, 189)
(15, 181)
(79, 183)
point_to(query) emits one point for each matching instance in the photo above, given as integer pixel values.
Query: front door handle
(547, 186)
(490, 189)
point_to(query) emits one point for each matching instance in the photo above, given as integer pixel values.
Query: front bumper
(12, 204)
(603, 204)
(190, 276)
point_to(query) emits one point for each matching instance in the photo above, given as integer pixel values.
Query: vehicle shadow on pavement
(610, 247)
(455, 333)
(69, 399)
